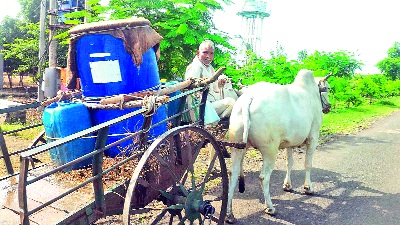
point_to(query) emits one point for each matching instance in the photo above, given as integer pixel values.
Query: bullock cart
(167, 180)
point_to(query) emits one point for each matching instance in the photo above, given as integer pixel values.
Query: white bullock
(269, 117)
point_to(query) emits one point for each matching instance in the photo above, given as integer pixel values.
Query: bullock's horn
(327, 76)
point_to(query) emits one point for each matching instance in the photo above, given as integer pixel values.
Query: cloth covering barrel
(112, 58)
(62, 119)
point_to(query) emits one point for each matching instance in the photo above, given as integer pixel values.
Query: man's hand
(221, 82)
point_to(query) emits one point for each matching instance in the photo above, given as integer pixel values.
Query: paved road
(356, 179)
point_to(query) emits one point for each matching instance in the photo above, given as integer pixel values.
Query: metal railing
(5, 155)
(98, 207)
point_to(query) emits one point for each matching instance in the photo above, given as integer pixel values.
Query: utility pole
(51, 75)
(87, 7)
(53, 43)
(42, 47)
(1, 66)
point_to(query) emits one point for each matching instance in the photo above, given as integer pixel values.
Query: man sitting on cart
(201, 67)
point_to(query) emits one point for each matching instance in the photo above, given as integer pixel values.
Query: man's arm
(193, 71)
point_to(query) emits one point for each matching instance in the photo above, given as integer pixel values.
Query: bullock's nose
(327, 109)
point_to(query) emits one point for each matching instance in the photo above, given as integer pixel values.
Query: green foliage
(183, 25)
(340, 64)
(343, 92)
(9, 31)
(348, 120)
(279, 69)
(30, 10)
(302, 55)
(23, 53)
(362, 88)
(385, 102)
(275, 70)
(390, 66)
(347, 90)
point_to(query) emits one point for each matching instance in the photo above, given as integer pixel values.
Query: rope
(121, 102)
(149, 103)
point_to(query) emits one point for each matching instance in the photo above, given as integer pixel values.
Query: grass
(28, 134)
(349, 120)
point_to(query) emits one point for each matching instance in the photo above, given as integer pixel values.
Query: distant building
(252, 13)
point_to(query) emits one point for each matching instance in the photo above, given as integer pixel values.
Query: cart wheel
(175, 182)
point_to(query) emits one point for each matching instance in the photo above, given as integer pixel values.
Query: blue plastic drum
(172, 107)
(61, 120)
(106, 69)
(126, 127)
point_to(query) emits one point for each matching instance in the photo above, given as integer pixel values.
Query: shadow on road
(337, 201)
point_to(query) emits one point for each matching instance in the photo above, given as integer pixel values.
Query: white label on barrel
(105, 71)
(95, 55)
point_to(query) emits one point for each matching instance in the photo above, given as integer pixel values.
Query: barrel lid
(104, 26)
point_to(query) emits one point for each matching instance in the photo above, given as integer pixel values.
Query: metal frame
(102, 205)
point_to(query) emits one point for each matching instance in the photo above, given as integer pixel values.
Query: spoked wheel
(176, 182)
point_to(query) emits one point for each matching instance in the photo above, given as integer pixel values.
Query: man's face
(206, 54)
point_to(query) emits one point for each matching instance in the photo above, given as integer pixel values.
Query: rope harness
(325, 106)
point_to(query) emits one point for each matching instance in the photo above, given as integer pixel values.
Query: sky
(9, 8)
(365, 27)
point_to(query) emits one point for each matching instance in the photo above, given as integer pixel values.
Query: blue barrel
(106, 69)
(63, 119)
(124, 128)
(172, 107)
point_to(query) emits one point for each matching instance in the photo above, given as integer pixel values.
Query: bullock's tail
(246, 117)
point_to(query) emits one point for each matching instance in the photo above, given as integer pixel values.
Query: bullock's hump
(263, 86)
(304, 78)
(264, 89)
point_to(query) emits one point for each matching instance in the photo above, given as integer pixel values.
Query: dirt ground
(22, 92)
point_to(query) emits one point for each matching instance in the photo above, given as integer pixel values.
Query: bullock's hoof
(270, 211)
(230, 219)
(308, 191)
(287, 187)
(241, 185)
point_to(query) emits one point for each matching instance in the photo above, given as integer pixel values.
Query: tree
(390, 66)
(23, 52)
(340, 64)
(30, 10)
(20, 40)
(183, 25)
(9, 31)
(301, 55)
(277, 69)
